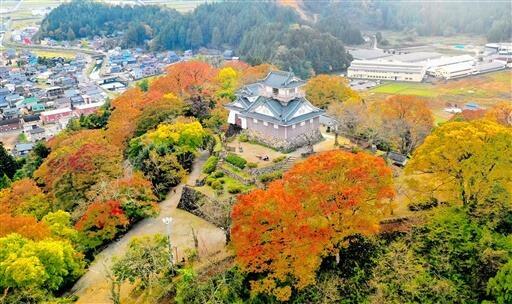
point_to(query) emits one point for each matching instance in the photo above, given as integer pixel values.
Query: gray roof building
(275, 111)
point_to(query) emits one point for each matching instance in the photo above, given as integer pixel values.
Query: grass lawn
(407, 88)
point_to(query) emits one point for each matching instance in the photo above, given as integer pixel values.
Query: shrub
(243, 138)
(252, 165)
(233, 189)
(236, 160)
(279, 159)
(217, 185)
(268, 177)
(210, 180)
(217, 174)
(210, 164)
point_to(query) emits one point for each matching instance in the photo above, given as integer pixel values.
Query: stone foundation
(288, 145)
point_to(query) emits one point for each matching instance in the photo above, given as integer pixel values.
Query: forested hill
(273, 31)
(427, 18)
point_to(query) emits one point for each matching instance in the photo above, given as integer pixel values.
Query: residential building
(22, 149)
(8, 125)
(55, 115)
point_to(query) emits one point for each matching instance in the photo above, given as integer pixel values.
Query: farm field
(484, 90)
(50, 54)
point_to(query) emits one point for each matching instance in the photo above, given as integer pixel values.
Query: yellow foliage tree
(462, 162)
(323, 90)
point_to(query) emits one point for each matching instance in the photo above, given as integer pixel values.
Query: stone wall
(310, 137)
(233, 175)
(214, 211)
(282, 165)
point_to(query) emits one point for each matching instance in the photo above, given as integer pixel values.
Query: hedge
(236, 160)
(210, 164)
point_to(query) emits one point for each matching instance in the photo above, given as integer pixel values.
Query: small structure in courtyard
(276, 113)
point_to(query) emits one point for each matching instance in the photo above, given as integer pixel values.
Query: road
(93, 287)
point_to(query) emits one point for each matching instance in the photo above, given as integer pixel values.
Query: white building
(386, 70)
(454, 70)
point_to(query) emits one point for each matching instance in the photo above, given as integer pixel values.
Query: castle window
(302, 123)
(255, 120)
(276, 126)
(265, 123)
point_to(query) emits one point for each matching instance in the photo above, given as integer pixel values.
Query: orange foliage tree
(283, 232)
(102, 222)
(24, 197)
(127, 108)
(183, 78)
(254, 73)
(77, 162)
(405, 121)
(26, 226)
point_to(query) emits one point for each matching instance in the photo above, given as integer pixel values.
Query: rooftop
(368, 54)
(414, 57)
(282, 80)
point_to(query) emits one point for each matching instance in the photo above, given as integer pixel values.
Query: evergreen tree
(8, 165)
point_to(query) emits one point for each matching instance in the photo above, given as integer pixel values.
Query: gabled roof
(271, 110)
(252, 104)
(281, 80)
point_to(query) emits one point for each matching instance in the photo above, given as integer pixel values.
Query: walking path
(93, 287)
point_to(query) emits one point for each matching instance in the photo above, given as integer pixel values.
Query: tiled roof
(280, 79)
(283, 114)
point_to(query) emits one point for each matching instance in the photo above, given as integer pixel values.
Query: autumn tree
(182, 78)
(77, 162)
(282, 233)
(24, 197)
(134, 193)
(501, 113)
(255, 73)
(127, 109)
(228, 82)
(26, 226)
(463, 162)
(405, 121)
(323, 90)
(101, 223)
(32, 270)
(161, 110)
(61, 226)
(350, 117)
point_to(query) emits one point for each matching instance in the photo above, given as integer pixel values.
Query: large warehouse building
(413, 67)
(386, 70)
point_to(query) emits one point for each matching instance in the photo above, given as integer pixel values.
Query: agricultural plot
(483, 90)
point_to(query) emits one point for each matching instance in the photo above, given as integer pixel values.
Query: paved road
(93, 287)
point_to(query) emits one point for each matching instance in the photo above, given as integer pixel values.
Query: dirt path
(93, 287)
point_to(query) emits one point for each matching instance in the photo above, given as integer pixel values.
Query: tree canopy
(284, 231)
